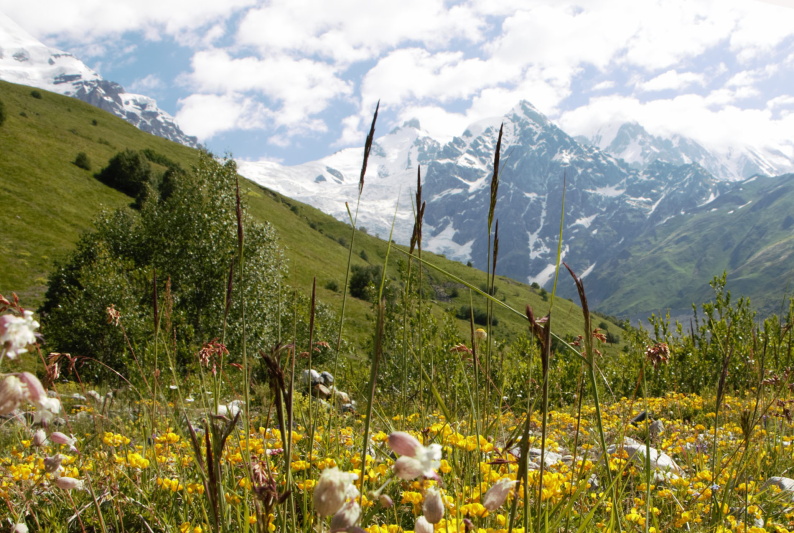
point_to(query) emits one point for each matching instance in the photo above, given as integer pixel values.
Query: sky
(295, 80)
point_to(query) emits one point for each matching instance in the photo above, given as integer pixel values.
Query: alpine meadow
(183, 349)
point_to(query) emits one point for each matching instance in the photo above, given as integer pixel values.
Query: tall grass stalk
(591, 369)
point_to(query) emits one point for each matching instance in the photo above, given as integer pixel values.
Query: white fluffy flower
(497, 494)
(12, 393)
(416, 460)
(17, 333)
(69, 483)
(332, 489)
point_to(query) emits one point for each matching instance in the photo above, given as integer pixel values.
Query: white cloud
(603, 86)
(354, 30)
(672, 79)
(300, 87)
(206, 115)
(92, 20)
(147, 84)
(689, 115)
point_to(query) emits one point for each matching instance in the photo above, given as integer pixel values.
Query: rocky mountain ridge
(26, 61)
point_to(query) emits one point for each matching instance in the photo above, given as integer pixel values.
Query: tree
(363, 282)
(128, 171)
(188, 241)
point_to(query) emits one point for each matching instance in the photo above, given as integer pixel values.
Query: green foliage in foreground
(178, 250)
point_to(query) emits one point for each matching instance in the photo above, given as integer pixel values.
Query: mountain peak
(26, 61)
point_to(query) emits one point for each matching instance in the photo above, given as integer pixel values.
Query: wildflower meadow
(240, 407)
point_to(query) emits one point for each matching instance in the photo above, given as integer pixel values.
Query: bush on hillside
(36, 94)
(82, 161)
(127, 172)
(187, 242)
(480, 317)
(2, 112)
(364, 281)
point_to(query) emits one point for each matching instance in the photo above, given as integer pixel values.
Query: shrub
(36, 94)
(82, 161)
(128, 172)
(2, 112)
(189, 240)
(480, 316)
(363, 281)
(332, 285)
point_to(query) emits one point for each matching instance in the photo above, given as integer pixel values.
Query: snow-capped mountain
(606, 201)
(331, 182)
(632, 143)
(26, 61)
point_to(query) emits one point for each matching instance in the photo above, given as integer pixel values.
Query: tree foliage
(2, 112)
(186, 238)
(363, 282)
(128, 171)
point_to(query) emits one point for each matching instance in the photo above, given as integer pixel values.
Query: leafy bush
(160, 159)
(363, 281)
(82, 161)
(480, 316)
(128, 172)
(36, 94)
(189, 241)
(2, 112)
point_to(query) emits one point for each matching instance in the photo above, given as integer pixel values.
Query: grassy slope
(50, 201)
(746, 233)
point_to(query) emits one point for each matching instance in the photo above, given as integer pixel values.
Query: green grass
(49, 202)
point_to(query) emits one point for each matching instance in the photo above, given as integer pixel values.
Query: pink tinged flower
(39, 438)
(332, 489)
(12, 393)
(346, 517)
(20, 528)
(53, 464)
(35, 390)
(385, 501)
(497, 494)
(423, 526)
(404, 443)
(69, 483)
(48, 408)
(59, 438)
(407, 468)
(17, 333)
(433, 506)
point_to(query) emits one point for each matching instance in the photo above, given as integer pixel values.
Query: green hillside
(746, 233)
(49, 201)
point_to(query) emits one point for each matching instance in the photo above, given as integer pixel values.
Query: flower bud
(69, 483)
(12, 393)
(433, 507)
(385, 501)
(331, 490)
(404, 443)
(39, 438)
(497, 494)
(53, 464)
(423, 526)
(346, 517)
(59, 438)
(35, 390)
(407, 468)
